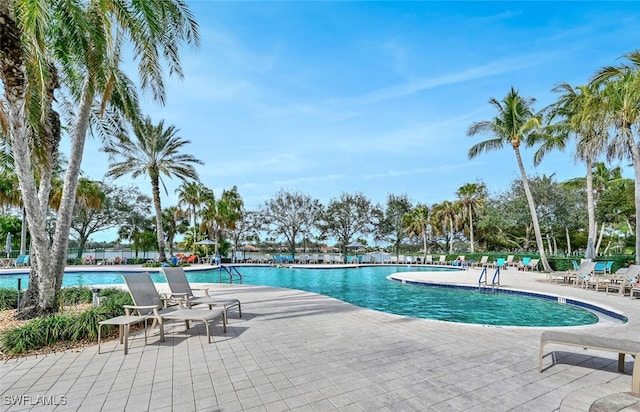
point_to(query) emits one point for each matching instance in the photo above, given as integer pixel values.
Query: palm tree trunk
(424, 242)
(591, 214)
(635, 156)
(600, 238)
(471, 227)
(155, 188)
(566, 232)
(534, 216)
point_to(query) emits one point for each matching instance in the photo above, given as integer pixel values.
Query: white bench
(621, 346)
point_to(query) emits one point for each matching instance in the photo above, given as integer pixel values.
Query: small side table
(124, 323)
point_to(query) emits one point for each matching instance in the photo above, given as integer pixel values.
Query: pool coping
(593, 307)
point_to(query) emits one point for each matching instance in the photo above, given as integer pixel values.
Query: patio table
(124, 323)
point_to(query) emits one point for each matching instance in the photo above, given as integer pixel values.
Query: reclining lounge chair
(179, 285)
(148, 302)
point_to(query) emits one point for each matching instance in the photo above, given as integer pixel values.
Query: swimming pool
(368, 287)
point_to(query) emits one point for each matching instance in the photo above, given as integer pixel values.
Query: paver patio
(296, 350)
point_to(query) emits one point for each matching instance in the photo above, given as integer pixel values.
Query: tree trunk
(450, 236)
(591, 214)
(600, 238)
(424, 242)
(155, 188)
(534, 216)
(635, 156)
(566, 232)
(471, 228)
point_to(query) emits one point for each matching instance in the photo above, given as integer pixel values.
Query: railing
(231, 271)
(483, 274)
(483, 280)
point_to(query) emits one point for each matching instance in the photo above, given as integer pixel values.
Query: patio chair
(428, 260)
(523, 263)
(500, 263)
(510, 262)
(533, 265)
(483, 262)
(179, 285)
(624, 280)
(21, 261)
(148, 302)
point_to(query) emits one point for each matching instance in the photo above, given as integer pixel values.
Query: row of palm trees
(61, 68)
(602, 116)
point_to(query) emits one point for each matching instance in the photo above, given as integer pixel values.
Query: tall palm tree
(191, 196)
(416, 223)
(471, 197)
(620, 88)
(515, 124)
(577, 113)
(154, 152)
(46, 44)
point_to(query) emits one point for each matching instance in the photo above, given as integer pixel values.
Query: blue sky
(373, 97)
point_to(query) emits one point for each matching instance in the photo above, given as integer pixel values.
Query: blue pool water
(369, 287)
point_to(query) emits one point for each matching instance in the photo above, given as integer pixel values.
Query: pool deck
(295, 350)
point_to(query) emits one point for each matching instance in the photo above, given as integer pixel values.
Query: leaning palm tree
(515, 124)
(471, 197)
(154, 152)
(620, 88)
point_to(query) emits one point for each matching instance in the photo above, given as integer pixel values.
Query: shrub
(35, 334)
(85, 325)
(75, 295)
(52, 329)
(9, 298)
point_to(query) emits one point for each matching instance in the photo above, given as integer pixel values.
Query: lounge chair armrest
(203, 290)
(175, 299)
(129, 308)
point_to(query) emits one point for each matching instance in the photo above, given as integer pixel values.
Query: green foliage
(75, 295)
(35, 334)
(85, 325)
(49, 330)
(9, 298)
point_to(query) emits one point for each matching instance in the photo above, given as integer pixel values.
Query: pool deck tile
(300, 351)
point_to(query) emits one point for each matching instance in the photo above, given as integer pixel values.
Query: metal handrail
(497, 274)
(231, 271)
(482, 274)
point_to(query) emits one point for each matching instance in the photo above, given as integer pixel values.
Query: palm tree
(578, 113)
(155, 152)
(471, 197)
(47, 44)
(515, 124)
(416, 223)
(447, 214)
(620, 88)
(221, 215)
(191, 196)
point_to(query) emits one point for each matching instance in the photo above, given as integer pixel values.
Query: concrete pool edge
(616, 315)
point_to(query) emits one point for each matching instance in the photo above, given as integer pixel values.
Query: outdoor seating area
(148, 303)
(283, 328)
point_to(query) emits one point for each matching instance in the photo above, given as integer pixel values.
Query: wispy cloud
(473, 73)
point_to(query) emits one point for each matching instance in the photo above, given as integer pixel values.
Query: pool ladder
(231, 271)
(483, 280)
